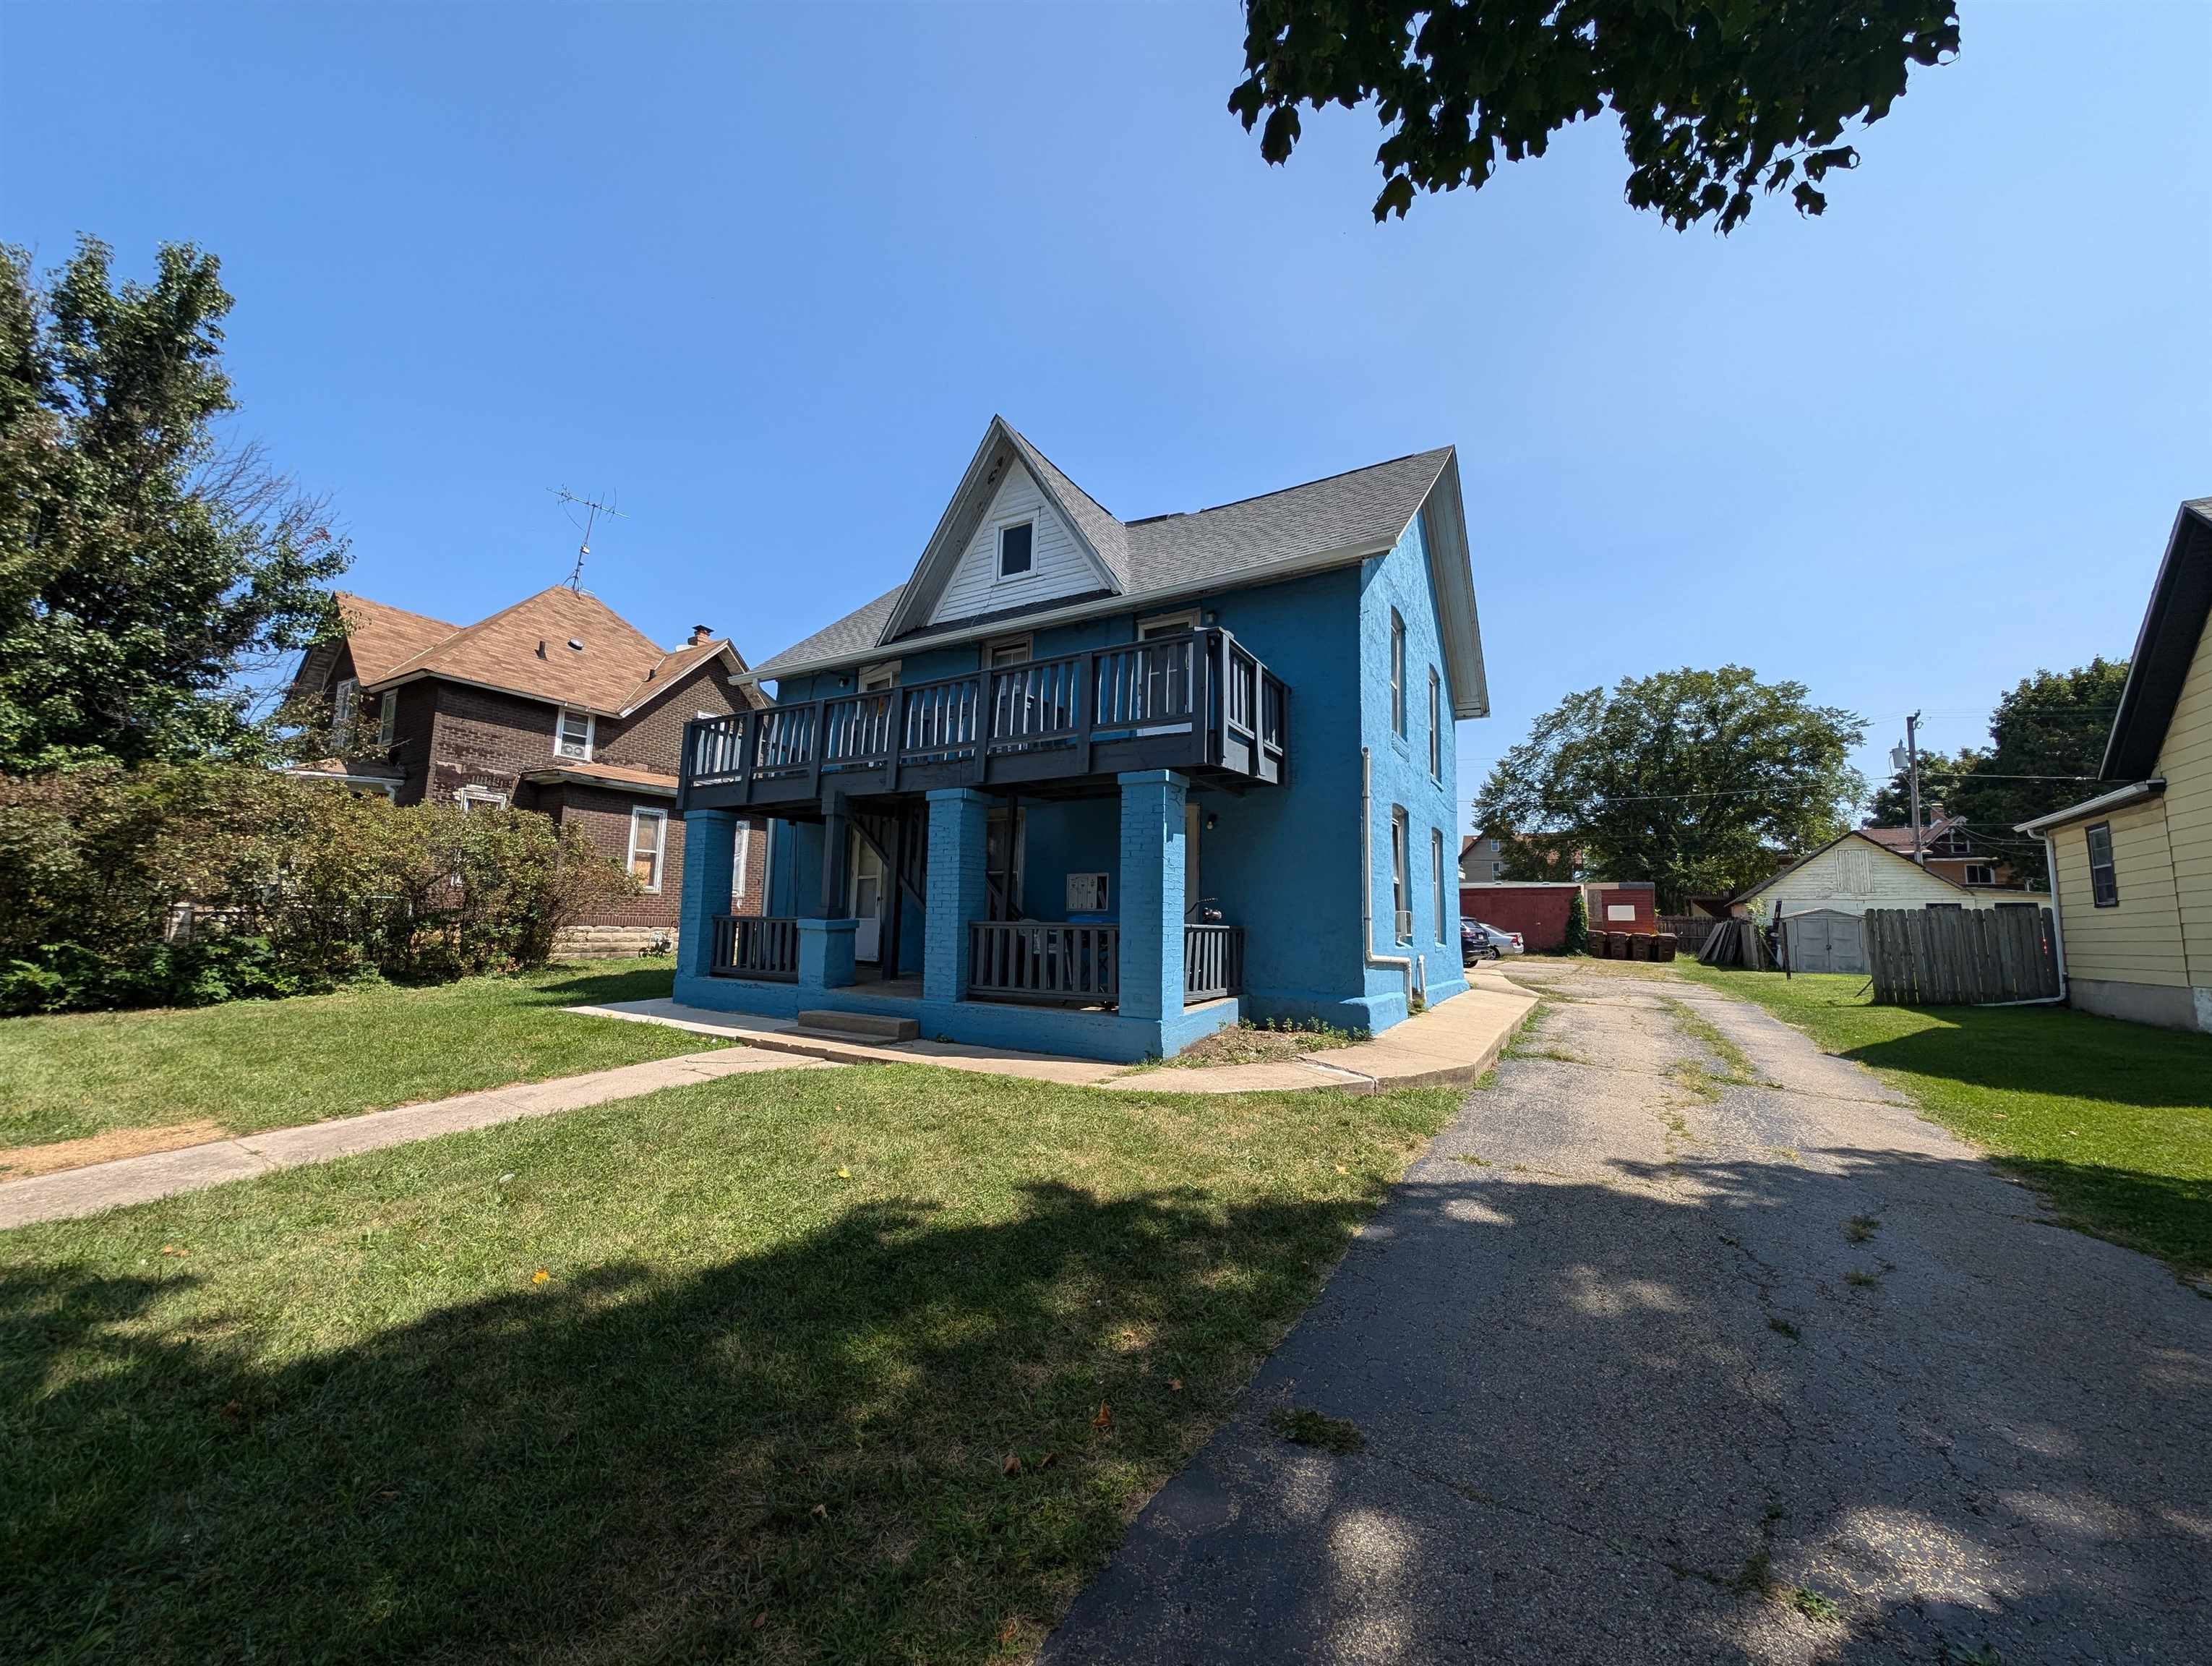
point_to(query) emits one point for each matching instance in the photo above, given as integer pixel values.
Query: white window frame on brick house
(345, 704)
(560, 742)
(741, 866)
(388, 717)
(1397, 674)
(1436, 726)
(1402, 839)
(473, 798)
(1987, 870)
(1437, 862)
(658, 820)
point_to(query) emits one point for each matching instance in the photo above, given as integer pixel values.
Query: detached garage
(1819, 899)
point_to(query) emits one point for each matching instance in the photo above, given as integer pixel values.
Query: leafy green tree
(1698, 781)
(1577, 942)
(2053, 724)
(1892, 803)
(149, 573)
(1717, 98)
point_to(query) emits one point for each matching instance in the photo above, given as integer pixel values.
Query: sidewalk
(1456, 1042)
(71, 1192)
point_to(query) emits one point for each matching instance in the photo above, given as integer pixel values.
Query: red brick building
(557, 705)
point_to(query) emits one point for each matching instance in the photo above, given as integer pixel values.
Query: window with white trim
(2104, 878)
(1016, 548)
(1397, 674)
(1981, 873)
(473, 798)
(574, 732)
(741, 866)
(388, 717)
(1401, 916)
(648, 840)
(1437, 869)
(1436, 725)
(345, 704)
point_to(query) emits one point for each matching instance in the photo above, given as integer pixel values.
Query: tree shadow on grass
(601, 982)
(798, 1454)
(2053, 1050)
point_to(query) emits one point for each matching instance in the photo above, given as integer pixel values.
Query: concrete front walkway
(1456, 1042)
(100, 1186)
(1643, 1367)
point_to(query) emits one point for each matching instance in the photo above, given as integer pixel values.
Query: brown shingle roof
(615, 774)
(525, 649)
(382, 637)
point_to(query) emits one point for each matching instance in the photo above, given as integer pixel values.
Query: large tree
(1718, 101)
(2046, 744)
(148, 571)
(1698, 781)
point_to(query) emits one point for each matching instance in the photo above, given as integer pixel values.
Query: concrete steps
(876, 1029)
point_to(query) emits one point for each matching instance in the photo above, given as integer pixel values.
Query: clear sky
(766, 273)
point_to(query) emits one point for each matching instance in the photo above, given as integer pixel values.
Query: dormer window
(344, 704)
(572, 737)
(1016, 547)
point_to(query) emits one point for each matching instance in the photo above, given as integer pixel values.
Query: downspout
(1398, 963)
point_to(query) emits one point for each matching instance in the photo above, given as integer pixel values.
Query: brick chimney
(700, 634)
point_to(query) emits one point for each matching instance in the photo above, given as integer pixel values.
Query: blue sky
(766, 273)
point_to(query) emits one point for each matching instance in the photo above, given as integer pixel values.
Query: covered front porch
(1070, 926)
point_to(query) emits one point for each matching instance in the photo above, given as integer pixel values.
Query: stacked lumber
(1736, 943)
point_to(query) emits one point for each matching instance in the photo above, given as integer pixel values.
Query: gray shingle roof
(1359, 509)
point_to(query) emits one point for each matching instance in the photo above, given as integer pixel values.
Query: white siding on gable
(1058, 563)
(1854, 876)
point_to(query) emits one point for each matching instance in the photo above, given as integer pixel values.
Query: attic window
(1014, 549)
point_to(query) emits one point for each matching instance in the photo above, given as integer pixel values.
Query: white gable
(1854, 875)
(1059, 565)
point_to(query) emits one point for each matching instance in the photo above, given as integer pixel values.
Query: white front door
(867, 901)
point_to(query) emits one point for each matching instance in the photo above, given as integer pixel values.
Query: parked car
(1478, 941)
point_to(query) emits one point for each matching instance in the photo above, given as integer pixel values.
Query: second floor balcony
(1198, 702)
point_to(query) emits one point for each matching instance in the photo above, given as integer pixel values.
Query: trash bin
(1664, 946)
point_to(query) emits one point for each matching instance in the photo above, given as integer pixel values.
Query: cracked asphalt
(1652, 1365)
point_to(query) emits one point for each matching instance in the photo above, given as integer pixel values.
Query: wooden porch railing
(1063, 965)
(1213, 962)
(747, 945)
(1198, 699)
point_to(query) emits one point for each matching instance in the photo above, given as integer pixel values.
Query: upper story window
(1397, 673)
(345, 703)
(388, 717)
(1436, 725)
(1016, 548)
(2103, 878)
(573, 733)
(1981, 873)
(1014, 651)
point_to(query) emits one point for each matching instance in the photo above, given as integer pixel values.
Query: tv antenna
(592, 510)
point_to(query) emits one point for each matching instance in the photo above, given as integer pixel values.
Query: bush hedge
(170, 884)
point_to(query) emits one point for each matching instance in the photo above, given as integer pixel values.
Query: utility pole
(1912, 757)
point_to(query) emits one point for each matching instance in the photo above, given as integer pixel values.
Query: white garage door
(1826, 941)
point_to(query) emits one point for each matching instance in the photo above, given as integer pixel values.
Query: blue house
(1100, 787)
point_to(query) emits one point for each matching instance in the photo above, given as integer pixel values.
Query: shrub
(185, 884)
(1576, 940)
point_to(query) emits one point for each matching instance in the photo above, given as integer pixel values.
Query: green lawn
(2113, 1120)
(262, 1064)
(736, 1371)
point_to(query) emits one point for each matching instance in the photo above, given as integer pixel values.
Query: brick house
(557, 704)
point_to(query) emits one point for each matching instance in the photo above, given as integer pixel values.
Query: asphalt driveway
(1652, 1367)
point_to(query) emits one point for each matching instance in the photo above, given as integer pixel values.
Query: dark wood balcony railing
(748, 946)
(1213, 962)
(1197, 700)
(1063, 965)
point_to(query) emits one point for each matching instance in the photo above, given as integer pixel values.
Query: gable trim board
(1205, 550)
(2166, 645)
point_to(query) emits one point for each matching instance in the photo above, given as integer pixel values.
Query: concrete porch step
(878, 1028)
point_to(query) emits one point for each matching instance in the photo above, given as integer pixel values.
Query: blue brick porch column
(1152, 892)
(710, 850)
(957, 892)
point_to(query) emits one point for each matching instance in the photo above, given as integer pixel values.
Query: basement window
(2104, 880)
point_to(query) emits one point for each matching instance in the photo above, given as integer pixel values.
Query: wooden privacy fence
(1959, 957)
(1690, 930)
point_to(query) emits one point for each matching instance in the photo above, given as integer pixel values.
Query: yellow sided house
(2132, 867)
